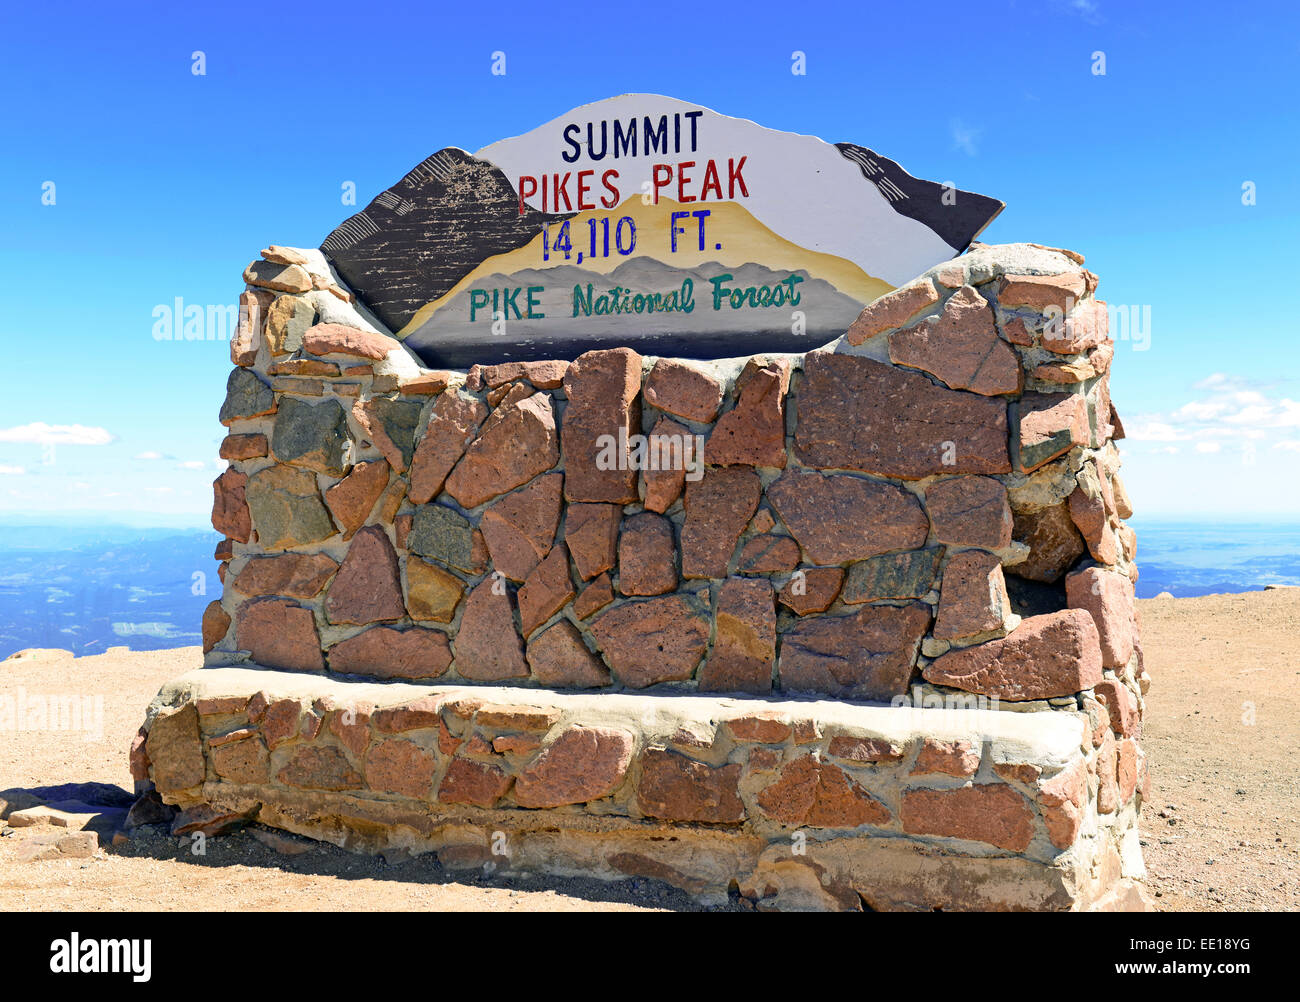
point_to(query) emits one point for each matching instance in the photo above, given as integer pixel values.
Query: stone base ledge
(793, 804)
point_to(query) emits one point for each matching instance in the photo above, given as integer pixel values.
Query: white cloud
(149, 455)
(193, 464)
(1288, 445)
(12, 471)
(1207, 446)
(40, 433)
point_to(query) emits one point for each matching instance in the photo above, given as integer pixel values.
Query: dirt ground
(1220, 834)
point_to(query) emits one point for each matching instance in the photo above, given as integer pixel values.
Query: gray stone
(443, 534)
(892, 575)
(246, 397)
(287, 508)
(312, 436)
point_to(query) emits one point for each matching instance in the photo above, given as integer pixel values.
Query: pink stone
(367, 588)
(1057, 654)
(961, 346)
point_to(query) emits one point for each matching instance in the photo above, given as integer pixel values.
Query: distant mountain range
(88, 588)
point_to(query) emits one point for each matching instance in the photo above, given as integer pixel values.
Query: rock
(1126, 768)
(1107, 781)
(546, 591)
(859, 414)
(443, 534)
(582, 764)
(811, 589)
(1053, 540)
(970, 511)
(320, 767)
(230, 513)
(414, 715)
(744, 646)
(287, 320)
(594, 597)
(279, 634)
(431, 592)
(240, 757)
(769, 554)
(1121, 707)
(517, 442)
(753, 432)
(241, 447)
(891, 310)
(839, 517)
(1049, 425)
(663, 484)
(314, 436)
(387, 652)
(453, 425)
(367, 588)
(892, 576)
(647, 556)
(1056, 654)
(864, 750)
(391, 423)
(762, 727)
(949, 758)
(78, 845)
(1090, 510)
(149, 810)
(1042, 292)
(961, 347)
(973, 599)
(401, 767)
(246, 397)
(656, 640)
(545, 375)
(216, 622)
(819, 795)
(591, 532)
(684, 390)
(280, 721)
(292, 575)
(868, 655)
(253, 306)
(602, 388)
(283, 255)
(1087, 327)
(487, 645)
(1108, 598)
(287, 508)
(427, 383)
(675, 788)
(992, 813)
(1061, 799)
(475, 783)
(560, 660)
(175, 749)
(281, 277)
(339, 339)
(520, 527)
(282, 843)
(718, 507)
(352, 499)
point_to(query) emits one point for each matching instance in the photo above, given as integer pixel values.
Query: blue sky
(167, 183)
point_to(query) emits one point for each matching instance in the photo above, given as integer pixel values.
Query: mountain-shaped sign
(648, 222)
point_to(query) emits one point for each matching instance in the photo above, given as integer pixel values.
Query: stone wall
(928, 510)
(935, 498)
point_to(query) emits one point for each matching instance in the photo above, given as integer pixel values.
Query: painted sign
(648, 222)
